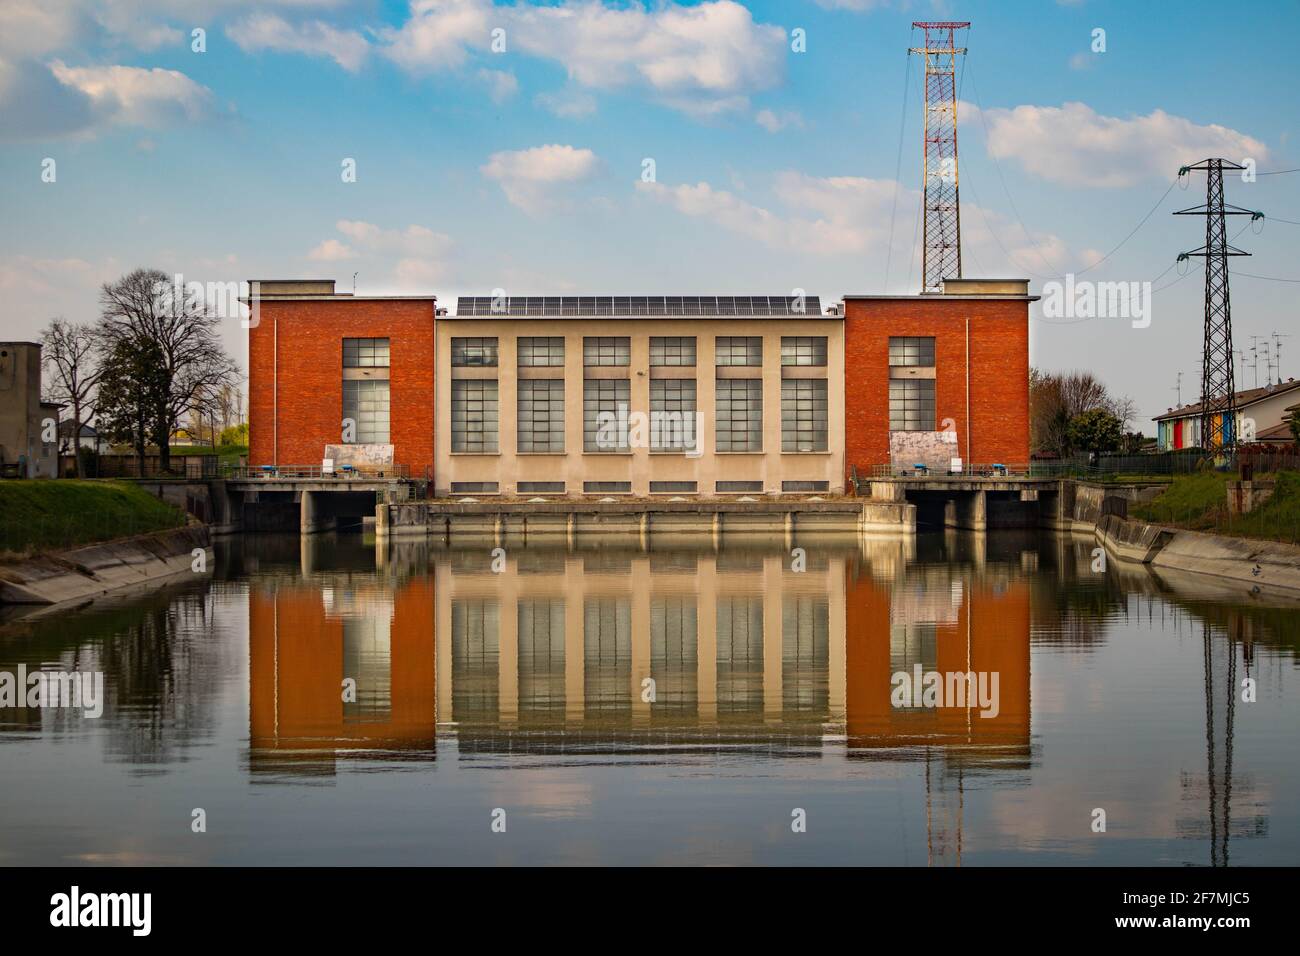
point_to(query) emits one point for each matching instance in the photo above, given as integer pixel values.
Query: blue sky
(521, 169)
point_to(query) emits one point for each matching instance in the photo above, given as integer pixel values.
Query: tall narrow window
(474, 415)
(672, 414)
(739, 414)
(541, 415)
(605, 414)
(365, 391)
(911, 405)
(803, 414)
(365, 408)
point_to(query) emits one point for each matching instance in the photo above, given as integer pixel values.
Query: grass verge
(50, 515)
(1200, 503)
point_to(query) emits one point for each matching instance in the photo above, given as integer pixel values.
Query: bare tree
(144, 307)
(69, 354)
(1056, 399)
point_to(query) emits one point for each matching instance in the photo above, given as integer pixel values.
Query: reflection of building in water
(306, 638)
(611, 643)
(931, 618)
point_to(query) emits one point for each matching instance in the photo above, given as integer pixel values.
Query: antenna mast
(941, 252)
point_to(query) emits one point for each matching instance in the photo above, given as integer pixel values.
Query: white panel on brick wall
(934, 449)
(360, 456)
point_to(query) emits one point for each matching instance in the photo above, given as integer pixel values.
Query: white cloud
(500, 84)
(265, 31)
(857, 6)
(568, 103)
(702, 59)
(1076, 146)
(530, 177)
(437, 34)
(133, 96)
(331, 250)
(416, 255)
(775, 122)
(850, 215)
(36, 27)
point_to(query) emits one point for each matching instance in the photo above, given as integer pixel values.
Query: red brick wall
(998, 430)
(310, 337)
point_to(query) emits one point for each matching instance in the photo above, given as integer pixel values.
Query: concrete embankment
(513, 520)
(1248, 561)
(107, 566)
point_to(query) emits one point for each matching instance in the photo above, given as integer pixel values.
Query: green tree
(132, 386)
(1096, 430)
(1295, 425)
(235, 434)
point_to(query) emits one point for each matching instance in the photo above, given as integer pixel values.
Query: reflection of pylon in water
(944, 805)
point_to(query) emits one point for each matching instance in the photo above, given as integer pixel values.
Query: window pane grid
(738, 350)
(541, 415)
(607, 397)
(606, 350)
(543, 352)
(672, 351)
(911, 405)
(739, 414)
(474, 352)
(803, 350)
(911, 351)
(474, 415)
(366, 403)
(672, 414)
(804, 414)
(365, 353)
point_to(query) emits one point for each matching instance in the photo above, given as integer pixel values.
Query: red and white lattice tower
(941, 250)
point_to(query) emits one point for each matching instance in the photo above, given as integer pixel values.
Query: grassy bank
(52, 515)
(1200, 503)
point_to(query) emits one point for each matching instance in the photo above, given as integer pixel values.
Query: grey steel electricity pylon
(941, 247)
(1218, 388)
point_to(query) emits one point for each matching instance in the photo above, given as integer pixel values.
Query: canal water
(322, 701)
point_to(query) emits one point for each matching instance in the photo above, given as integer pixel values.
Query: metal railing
(931, 471)
(299, 472)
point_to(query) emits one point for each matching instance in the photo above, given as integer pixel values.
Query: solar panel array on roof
(637, 306)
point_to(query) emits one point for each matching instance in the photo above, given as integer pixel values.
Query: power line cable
(898, 164)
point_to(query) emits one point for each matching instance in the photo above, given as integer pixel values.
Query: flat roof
(340, 297)
(939, 296)
(640, 307)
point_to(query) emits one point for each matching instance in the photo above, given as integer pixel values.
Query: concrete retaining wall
(1256, 564)
(509, 520)
(108, 566)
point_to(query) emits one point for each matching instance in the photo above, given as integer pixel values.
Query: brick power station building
(641, 395)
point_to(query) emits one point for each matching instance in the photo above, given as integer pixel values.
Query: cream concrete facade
(639, 465)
